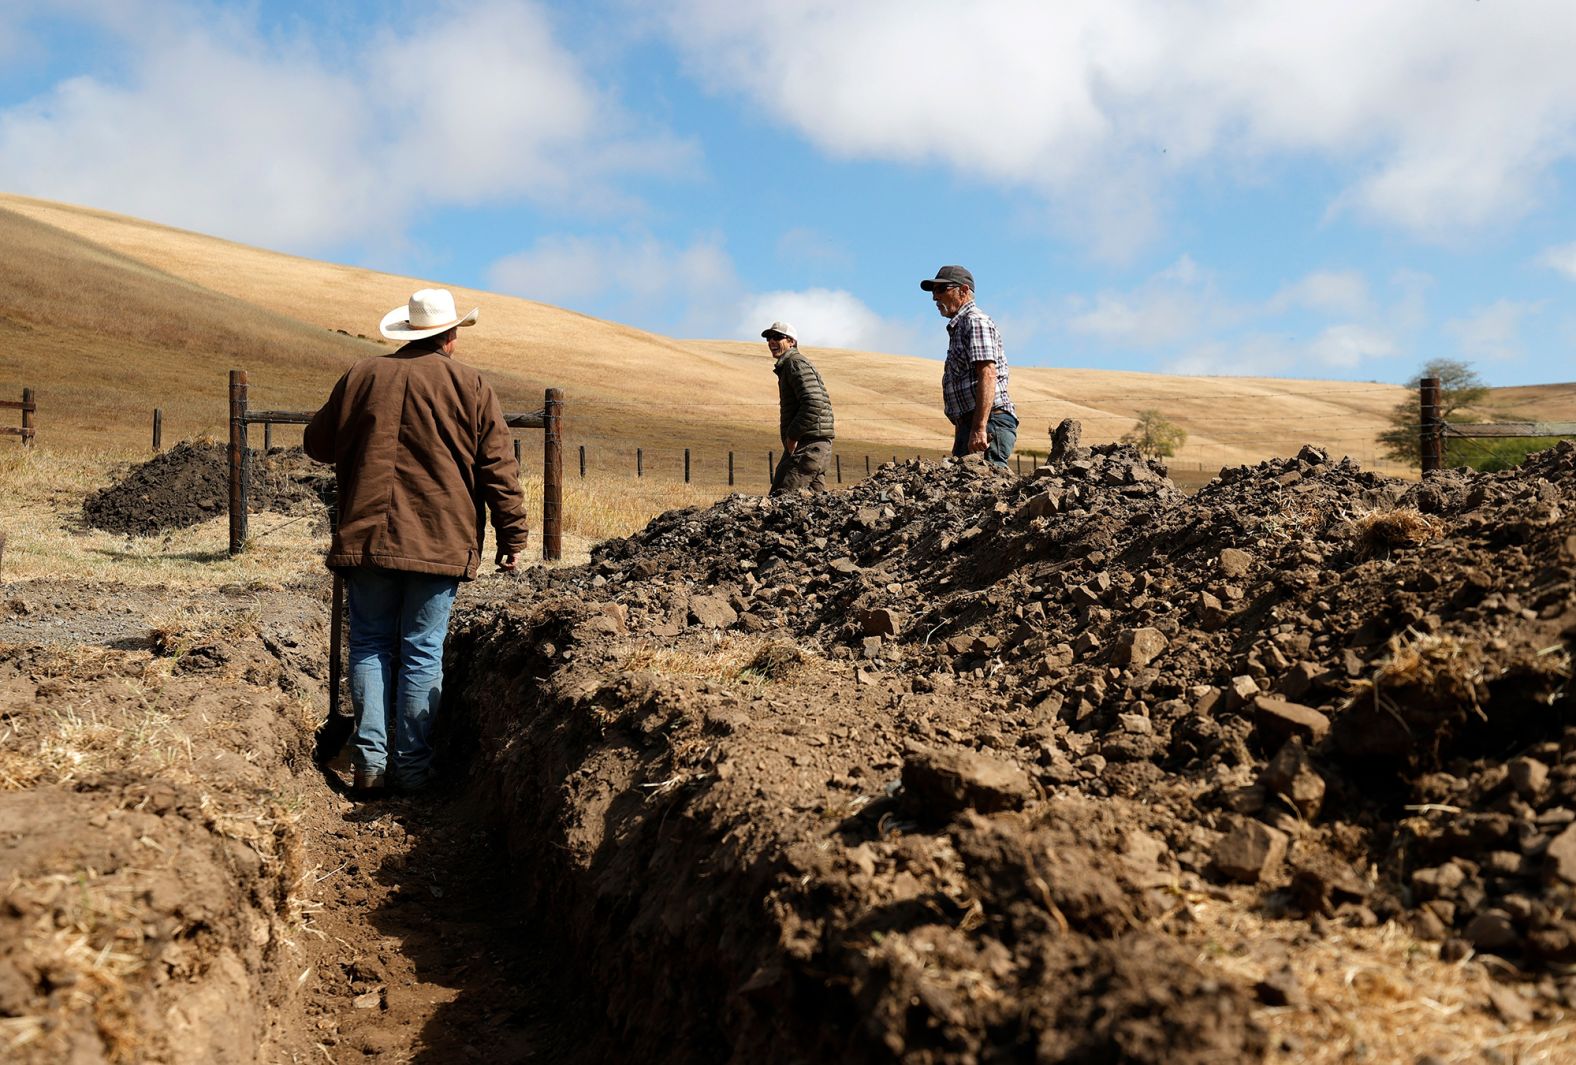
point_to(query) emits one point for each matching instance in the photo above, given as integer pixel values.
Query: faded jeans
(398, 622)
(1001, 434)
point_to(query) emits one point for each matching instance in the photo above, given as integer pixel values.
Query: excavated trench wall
(995, 728)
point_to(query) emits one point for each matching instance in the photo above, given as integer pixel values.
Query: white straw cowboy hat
(429, 312)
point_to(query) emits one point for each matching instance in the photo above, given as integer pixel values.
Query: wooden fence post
(867, 465)
(552, 476)
(268, 437)
(29, 405)
(158, 429)
(239, 466)
(517, 451)
(730, 469)
(640, 463)
(582, 462)
(686, 466)
(1432, 431)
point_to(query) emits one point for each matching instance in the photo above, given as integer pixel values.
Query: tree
(1155, 435)
(1459, 387)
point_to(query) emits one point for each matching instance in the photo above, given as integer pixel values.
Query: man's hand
(505, 561)
(978, 441)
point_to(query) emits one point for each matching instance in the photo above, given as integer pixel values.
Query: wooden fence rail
(549, 419)
(28, 406)
(1434, 430)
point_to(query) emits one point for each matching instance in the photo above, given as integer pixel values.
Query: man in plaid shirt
(974, 377)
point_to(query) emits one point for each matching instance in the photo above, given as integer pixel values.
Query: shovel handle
(336, 629)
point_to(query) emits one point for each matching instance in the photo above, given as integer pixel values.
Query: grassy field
(108, 317)
(41, 494)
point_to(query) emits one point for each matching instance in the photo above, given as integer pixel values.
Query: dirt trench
(945, 767)
(180, 883)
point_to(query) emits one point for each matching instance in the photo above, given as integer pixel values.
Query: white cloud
(1441, 119)
(1247, 356)
(690, 289)
(1338, 347)
(1562, 258)
(1348, 346)
(222, 127)
(1176, 304)
(826, 318)
(1493, 332)
(1338, 292)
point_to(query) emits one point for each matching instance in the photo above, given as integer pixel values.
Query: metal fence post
(552, 476)
(867, 465)
(582, 462)
(158, 429)
(640, 463)
(239, 466)
(1430, 426)
(839, 460)
(686, 466)
(730, 469)
(517, 451)
(771, 467)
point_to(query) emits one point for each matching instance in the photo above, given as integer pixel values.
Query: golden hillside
(109, 316)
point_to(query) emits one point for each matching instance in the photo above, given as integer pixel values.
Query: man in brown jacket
(420, 452)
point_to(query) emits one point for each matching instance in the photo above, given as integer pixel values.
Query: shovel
(336, 729)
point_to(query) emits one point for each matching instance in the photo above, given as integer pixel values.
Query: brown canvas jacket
(420, 453)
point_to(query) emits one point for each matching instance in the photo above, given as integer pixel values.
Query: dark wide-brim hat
(949, 275)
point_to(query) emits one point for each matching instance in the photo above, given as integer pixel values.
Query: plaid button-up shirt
(972, 338)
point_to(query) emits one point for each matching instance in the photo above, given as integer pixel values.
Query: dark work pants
(805, 468)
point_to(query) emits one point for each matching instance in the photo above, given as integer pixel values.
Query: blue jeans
(1001, 433)
(398, 622)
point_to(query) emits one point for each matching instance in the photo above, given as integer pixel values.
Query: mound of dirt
(1021, 719)
(189, 484)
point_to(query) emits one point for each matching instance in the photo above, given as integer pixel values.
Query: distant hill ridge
(108, 316)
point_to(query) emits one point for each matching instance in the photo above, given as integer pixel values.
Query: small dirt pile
(189, 484)
(997, 728)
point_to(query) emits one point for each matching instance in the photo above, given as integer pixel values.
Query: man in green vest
(805, 414)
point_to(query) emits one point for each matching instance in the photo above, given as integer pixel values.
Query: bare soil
(947, 767)
(180, 882)
(189, 484)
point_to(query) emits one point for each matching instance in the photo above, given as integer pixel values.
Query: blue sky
(1336, 190)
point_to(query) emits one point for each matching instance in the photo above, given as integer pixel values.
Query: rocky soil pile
(996, 729)
(189, 484)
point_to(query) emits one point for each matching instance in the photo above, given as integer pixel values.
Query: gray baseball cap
(782, 328)
(949, 275)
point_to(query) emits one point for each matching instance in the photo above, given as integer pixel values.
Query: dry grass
(41, 494)
(1379, 531)
(729, 657)
(1373, 994)
(1441, 665)
(93, 940)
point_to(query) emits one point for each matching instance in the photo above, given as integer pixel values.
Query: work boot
(369, 783)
